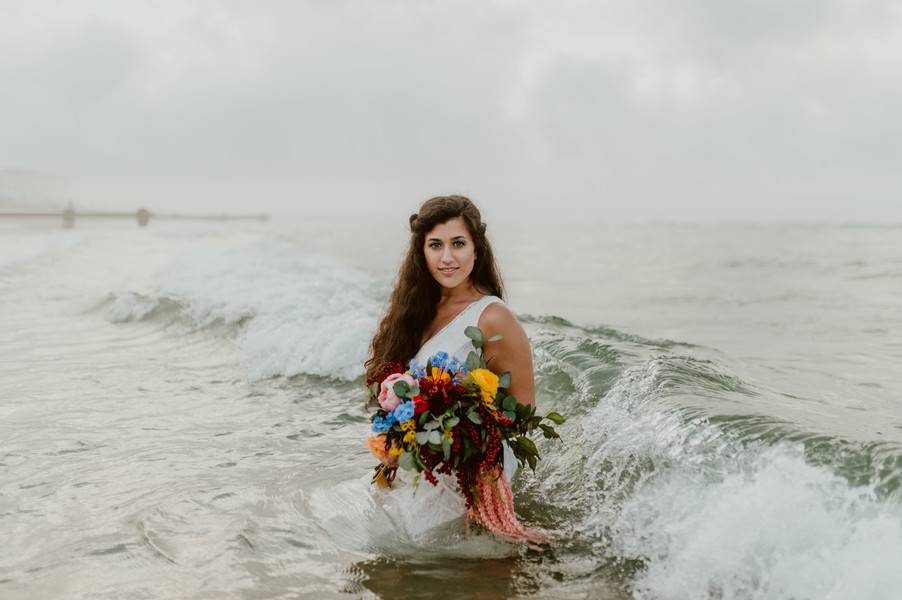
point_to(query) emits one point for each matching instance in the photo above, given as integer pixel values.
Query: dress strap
(474, 312)
(451, 338)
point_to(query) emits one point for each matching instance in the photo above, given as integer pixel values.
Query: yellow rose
(487, 382)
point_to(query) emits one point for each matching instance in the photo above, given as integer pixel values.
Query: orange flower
(377, 447)
(440, 375)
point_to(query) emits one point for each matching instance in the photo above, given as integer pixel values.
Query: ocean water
(181, 413)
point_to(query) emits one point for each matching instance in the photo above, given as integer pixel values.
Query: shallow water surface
(181, 414)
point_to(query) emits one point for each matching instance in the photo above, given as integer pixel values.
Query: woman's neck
(465, 292)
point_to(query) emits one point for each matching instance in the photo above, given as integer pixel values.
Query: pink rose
(388, 400)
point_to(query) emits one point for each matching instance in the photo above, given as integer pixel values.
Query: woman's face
(450, 253)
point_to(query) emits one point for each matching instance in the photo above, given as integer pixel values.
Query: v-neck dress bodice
(451, 338)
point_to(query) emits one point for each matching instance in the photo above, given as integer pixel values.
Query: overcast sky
(673, 109)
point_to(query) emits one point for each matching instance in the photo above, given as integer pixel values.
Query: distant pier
(142, 216)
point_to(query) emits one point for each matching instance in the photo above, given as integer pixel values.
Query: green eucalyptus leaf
(405, 461)
(557, 418)
(531, 459)
(446, 447)
(435, 437)
(509, 404)
(432, 425)
(505, 380)
(510, 415)
(452, 422)
(475, 334)
(472, 361)
(422, 437)
(402, 389)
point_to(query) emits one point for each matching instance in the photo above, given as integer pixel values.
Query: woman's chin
(450, 283)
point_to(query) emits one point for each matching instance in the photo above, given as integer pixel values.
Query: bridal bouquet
(451, 417)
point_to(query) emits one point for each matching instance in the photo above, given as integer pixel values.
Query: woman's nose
(446, 255)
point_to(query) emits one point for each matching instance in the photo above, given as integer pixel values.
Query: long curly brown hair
(414, 302)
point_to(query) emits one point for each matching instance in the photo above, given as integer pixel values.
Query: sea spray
(711, 515)
(293, 312)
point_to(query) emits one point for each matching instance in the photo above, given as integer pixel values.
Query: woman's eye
(459, 243)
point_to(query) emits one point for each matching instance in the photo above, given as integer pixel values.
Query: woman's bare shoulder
(498, 319)
(511, 353)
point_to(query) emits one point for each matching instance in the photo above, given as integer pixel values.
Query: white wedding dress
(429, 511)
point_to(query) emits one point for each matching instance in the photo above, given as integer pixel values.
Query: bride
(447, 282)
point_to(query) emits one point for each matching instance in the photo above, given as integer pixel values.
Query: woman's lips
(447, 271)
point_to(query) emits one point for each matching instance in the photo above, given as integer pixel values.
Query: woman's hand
(510, 353)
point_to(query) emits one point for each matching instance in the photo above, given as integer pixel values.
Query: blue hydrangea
(403, 412)
(456, 366)
(383, 424)
(417, 369)
(440, 360)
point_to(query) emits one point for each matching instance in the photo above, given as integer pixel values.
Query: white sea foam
(295, 312)
(775, 528)
(715, 518)
(129, 306)
(399, 521)
(298, 313)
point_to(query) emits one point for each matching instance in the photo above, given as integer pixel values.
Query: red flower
(419, 404)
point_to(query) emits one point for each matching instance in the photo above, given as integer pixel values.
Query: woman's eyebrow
(456, 237)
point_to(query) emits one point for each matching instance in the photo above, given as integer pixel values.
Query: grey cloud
(687, 110)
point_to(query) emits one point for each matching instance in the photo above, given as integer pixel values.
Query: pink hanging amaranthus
(495, 509)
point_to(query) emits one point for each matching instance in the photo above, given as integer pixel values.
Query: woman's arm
(510, 353)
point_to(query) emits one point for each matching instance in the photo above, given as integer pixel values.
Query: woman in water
(447, 282)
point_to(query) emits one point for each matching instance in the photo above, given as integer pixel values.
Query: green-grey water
(181, 413)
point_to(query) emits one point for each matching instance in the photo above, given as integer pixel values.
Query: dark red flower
(441, 394)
